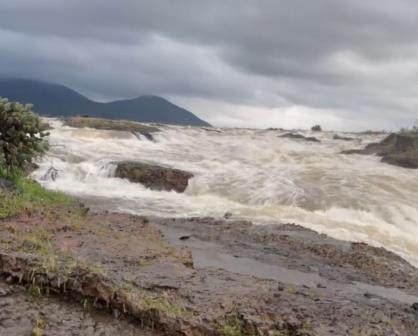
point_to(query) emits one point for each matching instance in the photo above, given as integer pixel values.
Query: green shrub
(21, 136)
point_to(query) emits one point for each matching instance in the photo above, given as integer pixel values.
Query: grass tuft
(164, 306)
(231, 326)
(28, 195)
(39, 326)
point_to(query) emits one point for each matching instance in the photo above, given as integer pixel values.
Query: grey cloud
(354, 58)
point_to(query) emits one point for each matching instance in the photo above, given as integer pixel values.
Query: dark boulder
(299, 136)
(153, 176)
(228, 215)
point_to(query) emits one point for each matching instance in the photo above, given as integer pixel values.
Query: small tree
(21, 135)
(316, 128)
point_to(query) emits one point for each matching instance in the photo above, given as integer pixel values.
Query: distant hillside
(60, 101)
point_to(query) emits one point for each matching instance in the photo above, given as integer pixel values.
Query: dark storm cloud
(340, 61)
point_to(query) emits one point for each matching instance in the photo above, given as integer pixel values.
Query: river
(253, 174)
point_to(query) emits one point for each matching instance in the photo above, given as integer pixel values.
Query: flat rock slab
(154, 177)
(204, 276)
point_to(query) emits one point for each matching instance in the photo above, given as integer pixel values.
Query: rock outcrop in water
(299, 136)
(397, 149)
(113, 125)
(154, 176)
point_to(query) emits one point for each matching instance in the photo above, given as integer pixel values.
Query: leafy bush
(21, 135)
(316, 128)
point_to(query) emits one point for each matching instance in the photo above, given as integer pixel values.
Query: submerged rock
(154, 176)
(339, 137)
(299, 136)
(146, 135)
(227, 215)
(396, 149)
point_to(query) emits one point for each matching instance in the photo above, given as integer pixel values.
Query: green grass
(231, 326)
(28, 195)
(164, 306)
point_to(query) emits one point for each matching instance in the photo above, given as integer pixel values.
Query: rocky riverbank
(396, 149)
(67, 269)
(196, 276)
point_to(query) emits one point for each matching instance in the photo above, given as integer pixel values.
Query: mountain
(55, 100)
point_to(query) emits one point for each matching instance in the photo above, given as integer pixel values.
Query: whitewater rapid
(253, 174)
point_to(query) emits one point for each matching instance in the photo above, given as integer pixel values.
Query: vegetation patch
(21, 136)
(235, 325)
(107, 124)
(163, 305)
(29, 196)
(39, 326)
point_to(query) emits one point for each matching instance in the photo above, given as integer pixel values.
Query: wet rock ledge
(200, 276)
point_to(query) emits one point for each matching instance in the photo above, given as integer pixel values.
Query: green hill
(55, 100)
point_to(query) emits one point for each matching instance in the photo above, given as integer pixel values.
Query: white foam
(253, 174)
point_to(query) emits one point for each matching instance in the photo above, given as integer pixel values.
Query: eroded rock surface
(203, 276)
(154, 176)
(22, 313)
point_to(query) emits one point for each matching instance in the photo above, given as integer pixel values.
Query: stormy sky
(346, 64)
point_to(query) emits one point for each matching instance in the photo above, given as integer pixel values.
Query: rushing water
(253, 174)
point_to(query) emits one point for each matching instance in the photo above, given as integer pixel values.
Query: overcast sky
(346, 64)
